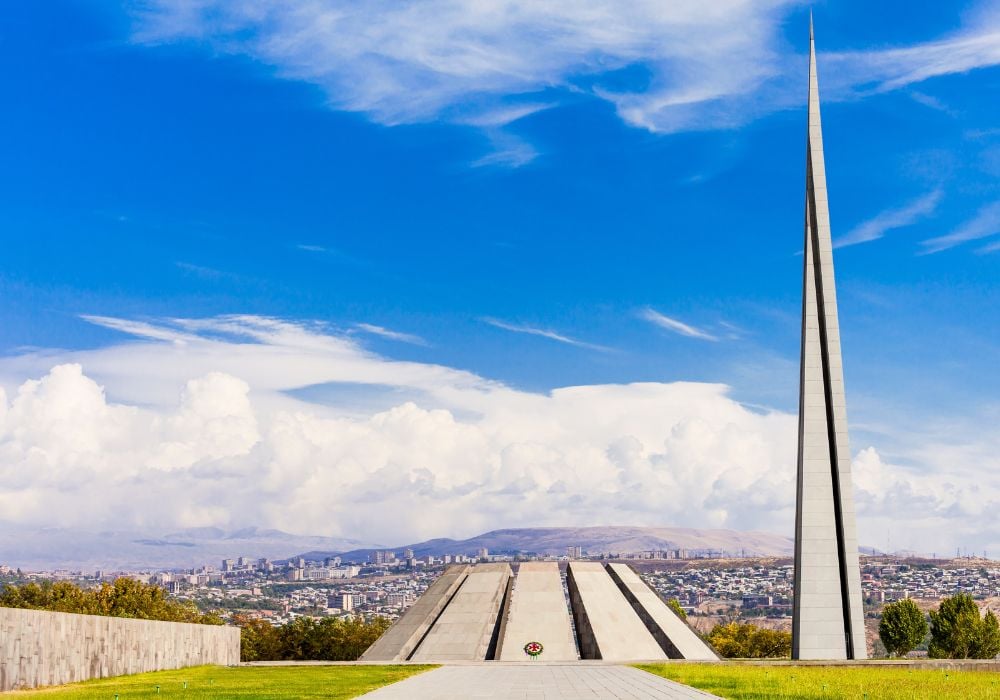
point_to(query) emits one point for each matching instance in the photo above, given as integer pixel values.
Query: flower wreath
(533, 649)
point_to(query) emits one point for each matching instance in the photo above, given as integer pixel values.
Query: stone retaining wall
(47, 648)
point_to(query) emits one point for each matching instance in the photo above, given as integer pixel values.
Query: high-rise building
(383, 557)
(484, 554)
(827, 618)
(574, 552)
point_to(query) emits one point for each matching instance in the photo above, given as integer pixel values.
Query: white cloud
(487, 63)
(542, 333)
(490, 63)
(383, 332)
(215, 439)
(985, 223)
(975, 46)
(673, 325)
(891, 219)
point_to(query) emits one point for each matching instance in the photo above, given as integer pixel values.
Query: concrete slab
(673, 635)
(606, 625)
(400, 640)
(538, 613)
(537, 681)
(465, 630)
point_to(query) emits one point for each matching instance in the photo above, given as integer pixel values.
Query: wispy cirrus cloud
(882, 70)
(675, 326)
(891, 219)
(388, 334)
(486, 63)
(984, 224)
(542, 333)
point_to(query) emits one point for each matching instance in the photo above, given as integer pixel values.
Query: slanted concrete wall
(400, 640)
(537, 613)
(673, 635)
(606, 625)
(465, 629)
(46, 648)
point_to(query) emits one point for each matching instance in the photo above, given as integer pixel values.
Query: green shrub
(737, 640)
(902, 628)
(305, 638)
(958, 632)
(675, 605)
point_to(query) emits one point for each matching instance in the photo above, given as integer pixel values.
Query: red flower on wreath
(533, 649)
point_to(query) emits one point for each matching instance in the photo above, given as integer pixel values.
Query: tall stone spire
(827, 619)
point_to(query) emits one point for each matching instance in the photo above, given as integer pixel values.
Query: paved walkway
(495, 681)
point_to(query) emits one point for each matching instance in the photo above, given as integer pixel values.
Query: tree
(958, 632)
(986, 640)
(902, 628)
(675, 605)
(305, 638)
(124, 597)
(259, 639)
(736, 640)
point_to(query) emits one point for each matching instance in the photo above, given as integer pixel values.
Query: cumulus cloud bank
(202, 422)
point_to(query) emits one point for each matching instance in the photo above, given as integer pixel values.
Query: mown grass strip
(749, 682)
(221, 683)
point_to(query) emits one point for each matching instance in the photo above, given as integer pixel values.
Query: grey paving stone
(503, 681)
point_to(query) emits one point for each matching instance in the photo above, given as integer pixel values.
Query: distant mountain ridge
(554, 541)
(59, 548)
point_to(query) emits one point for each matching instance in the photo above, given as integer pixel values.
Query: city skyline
(243, 287)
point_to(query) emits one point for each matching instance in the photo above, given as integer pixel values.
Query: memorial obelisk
(827, 619)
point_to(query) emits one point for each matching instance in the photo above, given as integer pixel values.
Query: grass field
(874, 683)
(242, 682)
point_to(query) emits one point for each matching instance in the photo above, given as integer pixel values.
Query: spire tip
(810, 24)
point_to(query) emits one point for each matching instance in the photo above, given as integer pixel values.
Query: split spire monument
(827, 619)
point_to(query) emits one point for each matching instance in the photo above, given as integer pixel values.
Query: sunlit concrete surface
(538, 613)
(536, 681)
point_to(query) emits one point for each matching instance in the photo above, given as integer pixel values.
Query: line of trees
(125, 597)
(308, 639)
(957, 630)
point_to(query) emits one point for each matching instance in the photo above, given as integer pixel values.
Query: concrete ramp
(537, 612)
(465, 630)
(677, 640)
(400, 640)
(606, 625)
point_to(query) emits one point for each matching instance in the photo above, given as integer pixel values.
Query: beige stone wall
(45, 648)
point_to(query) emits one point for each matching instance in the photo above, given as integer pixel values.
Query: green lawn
(241, 682)
(875, 683)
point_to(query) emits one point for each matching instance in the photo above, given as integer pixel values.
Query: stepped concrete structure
(401, 640)
(606, 625)
(468, 627)
(827, 620)
(538, 613)
(486, 613)
(677, 640)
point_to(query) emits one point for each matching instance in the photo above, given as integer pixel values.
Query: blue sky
(542, 198)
